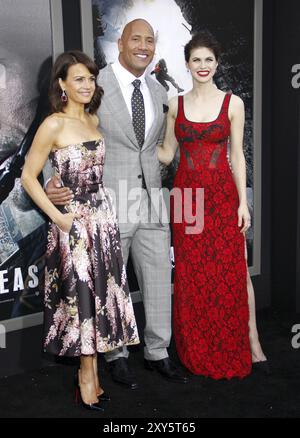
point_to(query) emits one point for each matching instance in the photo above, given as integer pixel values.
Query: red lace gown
(211, 313)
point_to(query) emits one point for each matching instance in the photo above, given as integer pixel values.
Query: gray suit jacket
(125, 161)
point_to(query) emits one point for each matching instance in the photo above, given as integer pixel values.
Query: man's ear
(120, 45)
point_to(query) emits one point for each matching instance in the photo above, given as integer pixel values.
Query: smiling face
(79, 85)
(202, 64)
(137, 47)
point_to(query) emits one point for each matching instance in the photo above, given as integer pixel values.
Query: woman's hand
(65, 221)
(244, 218)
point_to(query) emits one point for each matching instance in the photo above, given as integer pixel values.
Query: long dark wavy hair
(60, 70)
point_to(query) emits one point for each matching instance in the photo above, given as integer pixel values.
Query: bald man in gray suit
(132, 119)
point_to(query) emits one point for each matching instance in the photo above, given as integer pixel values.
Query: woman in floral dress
(88, 308)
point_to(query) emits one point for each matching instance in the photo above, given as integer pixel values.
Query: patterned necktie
(138, 112)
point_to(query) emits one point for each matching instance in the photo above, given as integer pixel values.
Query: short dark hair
(203, 39)
(60, 70)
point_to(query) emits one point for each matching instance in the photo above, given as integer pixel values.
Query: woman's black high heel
(78, 398)
(103, 397)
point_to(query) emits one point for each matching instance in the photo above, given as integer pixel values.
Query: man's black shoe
(120, 373)
(167, 369)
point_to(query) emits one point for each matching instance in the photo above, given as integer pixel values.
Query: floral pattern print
(88, 307)
(211, 313)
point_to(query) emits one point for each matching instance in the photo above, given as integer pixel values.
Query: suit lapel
(115, 102)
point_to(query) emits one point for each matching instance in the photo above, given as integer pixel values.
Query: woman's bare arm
(167, 150)
(43, 142)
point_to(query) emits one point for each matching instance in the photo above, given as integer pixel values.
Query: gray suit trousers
(149, 245)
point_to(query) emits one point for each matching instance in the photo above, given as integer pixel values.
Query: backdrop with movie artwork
(24, 66)
(25, 63)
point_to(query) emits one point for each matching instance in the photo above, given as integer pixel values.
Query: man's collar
(124, 76)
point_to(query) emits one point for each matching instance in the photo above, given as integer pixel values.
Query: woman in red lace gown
(211, 300)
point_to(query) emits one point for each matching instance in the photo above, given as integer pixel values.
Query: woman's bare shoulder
(236, 102)
(54, 122)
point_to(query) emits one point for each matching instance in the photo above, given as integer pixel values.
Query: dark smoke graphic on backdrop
(233, 27)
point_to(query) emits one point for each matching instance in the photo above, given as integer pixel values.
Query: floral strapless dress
(88, 307)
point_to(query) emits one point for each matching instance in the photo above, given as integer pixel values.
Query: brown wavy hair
(60, 70)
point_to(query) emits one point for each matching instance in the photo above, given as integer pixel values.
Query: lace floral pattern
(211, 313)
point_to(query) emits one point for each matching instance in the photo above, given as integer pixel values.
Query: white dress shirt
(125, 79)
